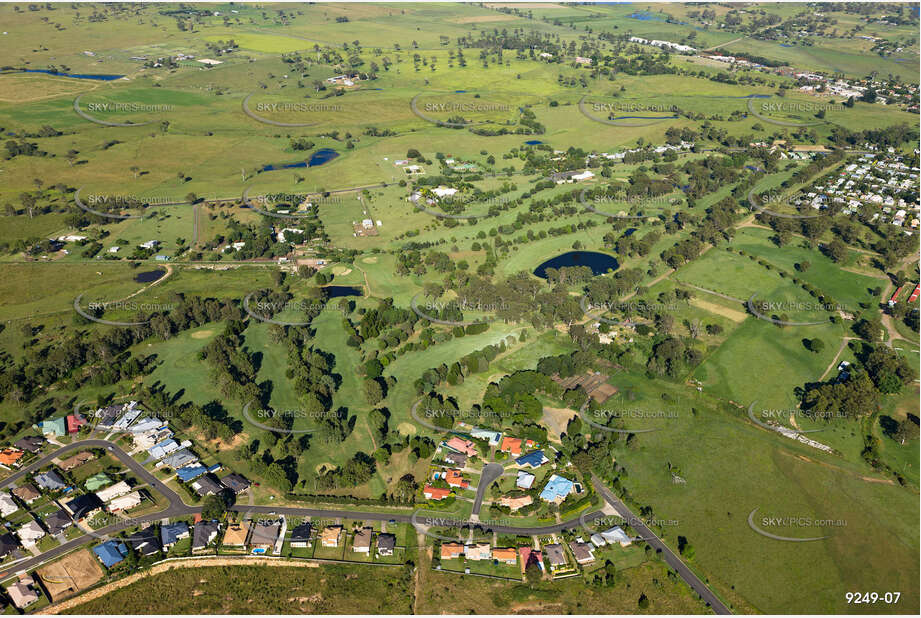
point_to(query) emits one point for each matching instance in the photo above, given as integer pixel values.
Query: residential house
(76, 461)
(477, 551)
(178, 459)
(24, 592)
(163, 448)
(511, 445)
(54, 427)
(460, 445)
(8, 544)
(83, 506)
(32, 444)
(30, 533)
(110, 493)
(555, 555)
(456, 459)
(237, 534)
(235, 483)
(508, 555)
(8, 506)
(203, 534)
(190, 473)
(264, 536)
(170, 534)
(74, 422)
(58, 522)
(516, 503)
(145, 542)
(386, 543)
(50, 481)
(124, 503)
(207, 486)
(330, 536)
(435, 493)
(362, 541)
(300, 535)
(10, 456)
(597, 540)
(556, 489)
(490, 436)
(27, 493)
(111, 553)
(616, 535)
(455, 478)
(451, 550)
(530, 556)
(583, 552)
(534, 459)
(97, 482)
(525, 480)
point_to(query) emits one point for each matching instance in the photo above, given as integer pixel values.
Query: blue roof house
(556, 489)
(190, 473)
(110, 553)
(534, 459)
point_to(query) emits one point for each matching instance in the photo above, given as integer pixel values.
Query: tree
(373, 392)
(814, 345)
(533, 573)
(215, 506)
(907, 430)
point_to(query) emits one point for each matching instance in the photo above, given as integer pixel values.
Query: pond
(105, 78)
(338, 291)
(321, 156)
(149, 276)
(533, 142)
(600, 263)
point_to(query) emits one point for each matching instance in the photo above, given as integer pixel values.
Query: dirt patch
(202, 334)
(341, 270)
(407, 429)
(523, 5)
(370, 260)
(71, 574)
(166, 566)
(732, 314)
(326, 464)
(556, 420)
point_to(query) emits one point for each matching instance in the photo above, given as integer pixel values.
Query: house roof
(525, 479)
(301, 532)
(330, 533)
(57, 521)
(190, 473)
(145, 541)
(56, 426)
(9, 456)
(555, 554)
(436, 493)
(81, 506)
(461, 446)
(51, 481)
(171, 533)
(581, 551)
(111, 553)
(76, 461)
(21, 593)
(265, 533)
(33, 444)
(118, 489)
(504, 553)
(385, 540)
(203, 533)
(363, 538)
(236, 534)
(8, 543)
(235, 483)
(557, 488)
(458, 459)
(127, 501)
(27, 493)
(451, 550)
(206, 486)
(179, 458)
(510, 445)
(534, 459)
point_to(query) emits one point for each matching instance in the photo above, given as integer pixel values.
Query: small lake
(105, 78)
(321, 156)
(533, 142)
(149, 276)
(338, 291)
(600, 263)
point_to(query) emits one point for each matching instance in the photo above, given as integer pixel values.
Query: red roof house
(435, 493)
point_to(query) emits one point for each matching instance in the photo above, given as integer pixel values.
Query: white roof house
(30, 533)
(616, 535)
(8, 506)
(525, 479)
(110, 493)
(123, 503)
(444, 191)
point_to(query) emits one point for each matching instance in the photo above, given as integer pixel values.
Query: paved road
(670, 557)
(490, 473)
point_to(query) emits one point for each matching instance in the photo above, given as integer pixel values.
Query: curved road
(490, 473)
